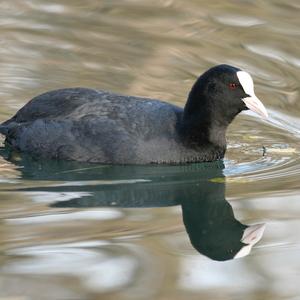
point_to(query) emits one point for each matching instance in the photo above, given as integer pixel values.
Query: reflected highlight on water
(72, 231)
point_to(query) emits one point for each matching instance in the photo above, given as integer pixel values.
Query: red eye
(233, 86)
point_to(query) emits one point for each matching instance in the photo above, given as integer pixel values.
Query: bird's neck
(201, 128)
(204, 134)
(201, 125)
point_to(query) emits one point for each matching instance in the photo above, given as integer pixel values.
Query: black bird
(98, 126)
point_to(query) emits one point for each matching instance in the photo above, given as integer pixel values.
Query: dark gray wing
(54, 104)
(89, 125)
(71, 140)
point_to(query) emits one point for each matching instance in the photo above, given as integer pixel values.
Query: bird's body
(97, 126)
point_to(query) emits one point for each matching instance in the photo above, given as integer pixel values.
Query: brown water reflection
(154, 49)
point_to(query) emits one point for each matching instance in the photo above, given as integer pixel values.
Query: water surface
(72, 231)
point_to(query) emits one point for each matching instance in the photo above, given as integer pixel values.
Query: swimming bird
(102, 127)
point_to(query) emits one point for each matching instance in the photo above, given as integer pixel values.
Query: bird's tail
(4, 129)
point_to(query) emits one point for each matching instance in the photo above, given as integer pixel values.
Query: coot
(98, 126)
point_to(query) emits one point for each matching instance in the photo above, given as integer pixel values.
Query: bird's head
(221, 93)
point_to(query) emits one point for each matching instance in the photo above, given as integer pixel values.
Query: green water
(79, 231)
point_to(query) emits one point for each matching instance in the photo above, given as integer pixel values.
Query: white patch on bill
(246, 82)
(244, 251)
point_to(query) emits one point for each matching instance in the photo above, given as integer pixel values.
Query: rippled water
(78, 231)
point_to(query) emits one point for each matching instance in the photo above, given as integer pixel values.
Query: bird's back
(97, 126)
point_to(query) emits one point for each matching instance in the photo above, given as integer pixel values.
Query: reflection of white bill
(250, 237)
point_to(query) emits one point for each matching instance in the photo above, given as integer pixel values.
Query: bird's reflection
(199, 189)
